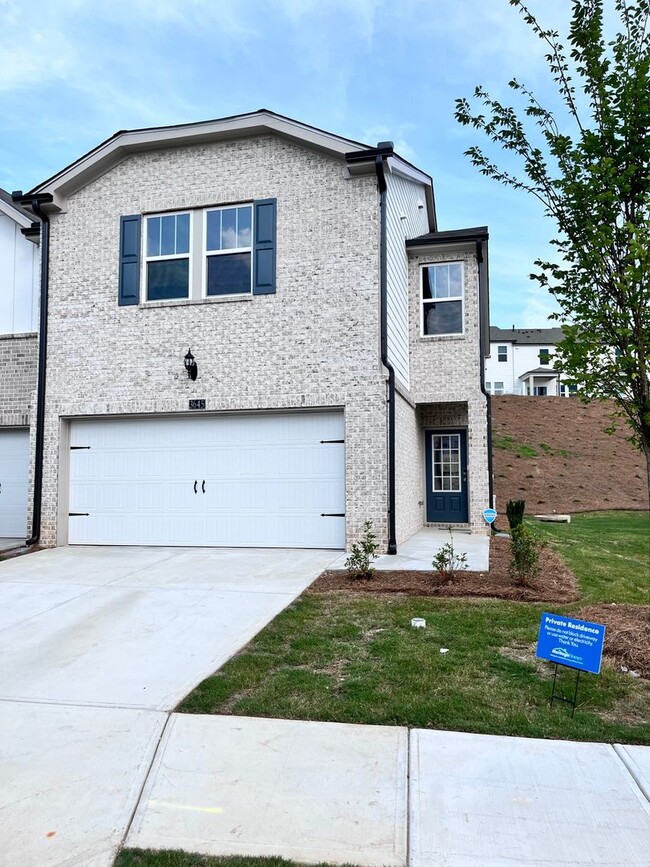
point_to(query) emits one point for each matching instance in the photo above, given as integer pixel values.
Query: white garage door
(14, 473)
(265, 480)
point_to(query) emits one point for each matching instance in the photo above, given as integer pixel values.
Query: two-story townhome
(257, 336)
(19, 258)
(521, 362)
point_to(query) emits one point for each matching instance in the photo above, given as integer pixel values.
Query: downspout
(383, 288)
(482, 349)
(35, 203)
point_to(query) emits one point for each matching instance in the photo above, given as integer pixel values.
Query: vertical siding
(18, 280)
(402, 201)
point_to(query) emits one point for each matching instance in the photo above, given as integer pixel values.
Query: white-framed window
(502, 353)
(488, 387)
(545, 356)
(442, 299)
(203, 253)
(228, 248)
(167, 254)
(498, 388)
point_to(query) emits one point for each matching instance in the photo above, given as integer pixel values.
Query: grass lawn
(150, 858)
(609, 552)
(355, 657)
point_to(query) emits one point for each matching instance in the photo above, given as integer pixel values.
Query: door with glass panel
(446, 476)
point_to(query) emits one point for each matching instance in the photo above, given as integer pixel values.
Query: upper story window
(544, 356)
(167, 256)
(502, 353)
(442, 298)
(228, 245)
(198, 254)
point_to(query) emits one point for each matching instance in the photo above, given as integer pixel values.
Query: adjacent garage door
(14, 474)
(265, 480)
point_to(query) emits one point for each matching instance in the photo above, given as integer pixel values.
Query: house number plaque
(197, 404)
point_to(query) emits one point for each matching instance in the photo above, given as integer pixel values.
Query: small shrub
(363, 554)
(525, 547)
(446, 562)
(515, 512)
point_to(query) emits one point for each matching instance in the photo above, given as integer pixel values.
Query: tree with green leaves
(589, 166)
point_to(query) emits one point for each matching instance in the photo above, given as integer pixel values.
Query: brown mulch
(627, 639)
(556, 582)
(579, 469)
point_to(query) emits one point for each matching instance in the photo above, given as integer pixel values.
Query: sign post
(572, 643)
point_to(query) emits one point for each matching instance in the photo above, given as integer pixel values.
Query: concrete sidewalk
(377, 795)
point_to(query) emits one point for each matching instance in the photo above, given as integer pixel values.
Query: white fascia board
(17, 216)
(98, 161)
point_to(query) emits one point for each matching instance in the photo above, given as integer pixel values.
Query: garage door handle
(195, 484)
(203, 486)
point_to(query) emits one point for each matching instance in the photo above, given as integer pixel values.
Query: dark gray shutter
(264, 247)
(129, 288)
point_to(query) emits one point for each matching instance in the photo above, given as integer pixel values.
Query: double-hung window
(167, 256)
(502, 353)
(544, 356)
(442, 298)
(228, 246)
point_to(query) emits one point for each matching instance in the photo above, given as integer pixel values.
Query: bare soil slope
(553, 453)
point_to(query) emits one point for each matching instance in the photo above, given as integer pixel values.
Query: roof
(526, 336)
(263, 122)
(18, 214)
(540, 371)
(452, 236)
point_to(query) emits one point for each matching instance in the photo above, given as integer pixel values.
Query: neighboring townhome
(19, 268)
(258, 337)
(521, 362)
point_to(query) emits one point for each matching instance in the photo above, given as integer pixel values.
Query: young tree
(590, 168)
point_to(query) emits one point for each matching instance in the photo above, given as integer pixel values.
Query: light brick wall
(313, 344)
(18, 364)
(409, 470)
(445, 376)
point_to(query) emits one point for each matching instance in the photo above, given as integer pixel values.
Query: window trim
(504, 353)
(197, 270)
(164, 258)
(461, 298)
(544, 356)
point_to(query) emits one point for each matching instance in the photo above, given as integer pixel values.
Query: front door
(446, 471)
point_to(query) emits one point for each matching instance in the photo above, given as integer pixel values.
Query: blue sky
(76, 71)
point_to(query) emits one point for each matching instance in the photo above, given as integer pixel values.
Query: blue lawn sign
(567, 641)
(490, 515)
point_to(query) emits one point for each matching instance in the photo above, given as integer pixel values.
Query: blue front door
(446, 470)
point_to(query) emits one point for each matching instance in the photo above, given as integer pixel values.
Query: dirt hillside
(553, 453)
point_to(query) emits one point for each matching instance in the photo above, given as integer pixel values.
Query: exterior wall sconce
(190, 365)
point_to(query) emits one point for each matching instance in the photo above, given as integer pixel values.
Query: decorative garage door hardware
(331, 441)
(78, 514)
(79, 447)
(332, 514)
(202, 486)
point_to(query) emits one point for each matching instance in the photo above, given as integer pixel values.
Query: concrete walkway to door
(97, 645)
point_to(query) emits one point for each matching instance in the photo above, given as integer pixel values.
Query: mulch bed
(556, 582)
(627, 639)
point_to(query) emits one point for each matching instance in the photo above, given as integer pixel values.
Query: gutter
(385, 149)
(34, 203)
(484, 342)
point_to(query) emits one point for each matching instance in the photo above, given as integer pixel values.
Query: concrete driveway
(96, 645)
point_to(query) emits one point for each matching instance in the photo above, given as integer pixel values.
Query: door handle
(195, 484)
(203, 486)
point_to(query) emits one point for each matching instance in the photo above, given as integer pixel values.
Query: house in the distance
(258, 336)
(521, 362)
(19, 270)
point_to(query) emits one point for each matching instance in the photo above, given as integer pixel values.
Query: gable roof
(263, 122)
(526, 336)
(10, 209)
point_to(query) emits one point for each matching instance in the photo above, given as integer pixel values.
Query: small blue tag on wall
(490, 515)
(567, 641)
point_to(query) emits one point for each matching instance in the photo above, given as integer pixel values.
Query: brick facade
(18, 365)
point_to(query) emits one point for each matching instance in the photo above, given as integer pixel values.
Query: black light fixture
(190, 365)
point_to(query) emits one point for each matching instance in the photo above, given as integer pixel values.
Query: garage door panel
(262, 480)
(14, 475)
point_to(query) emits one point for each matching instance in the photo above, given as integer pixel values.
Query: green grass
(521, 450)
(151, 858)
(358, 660)
(609, 552)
